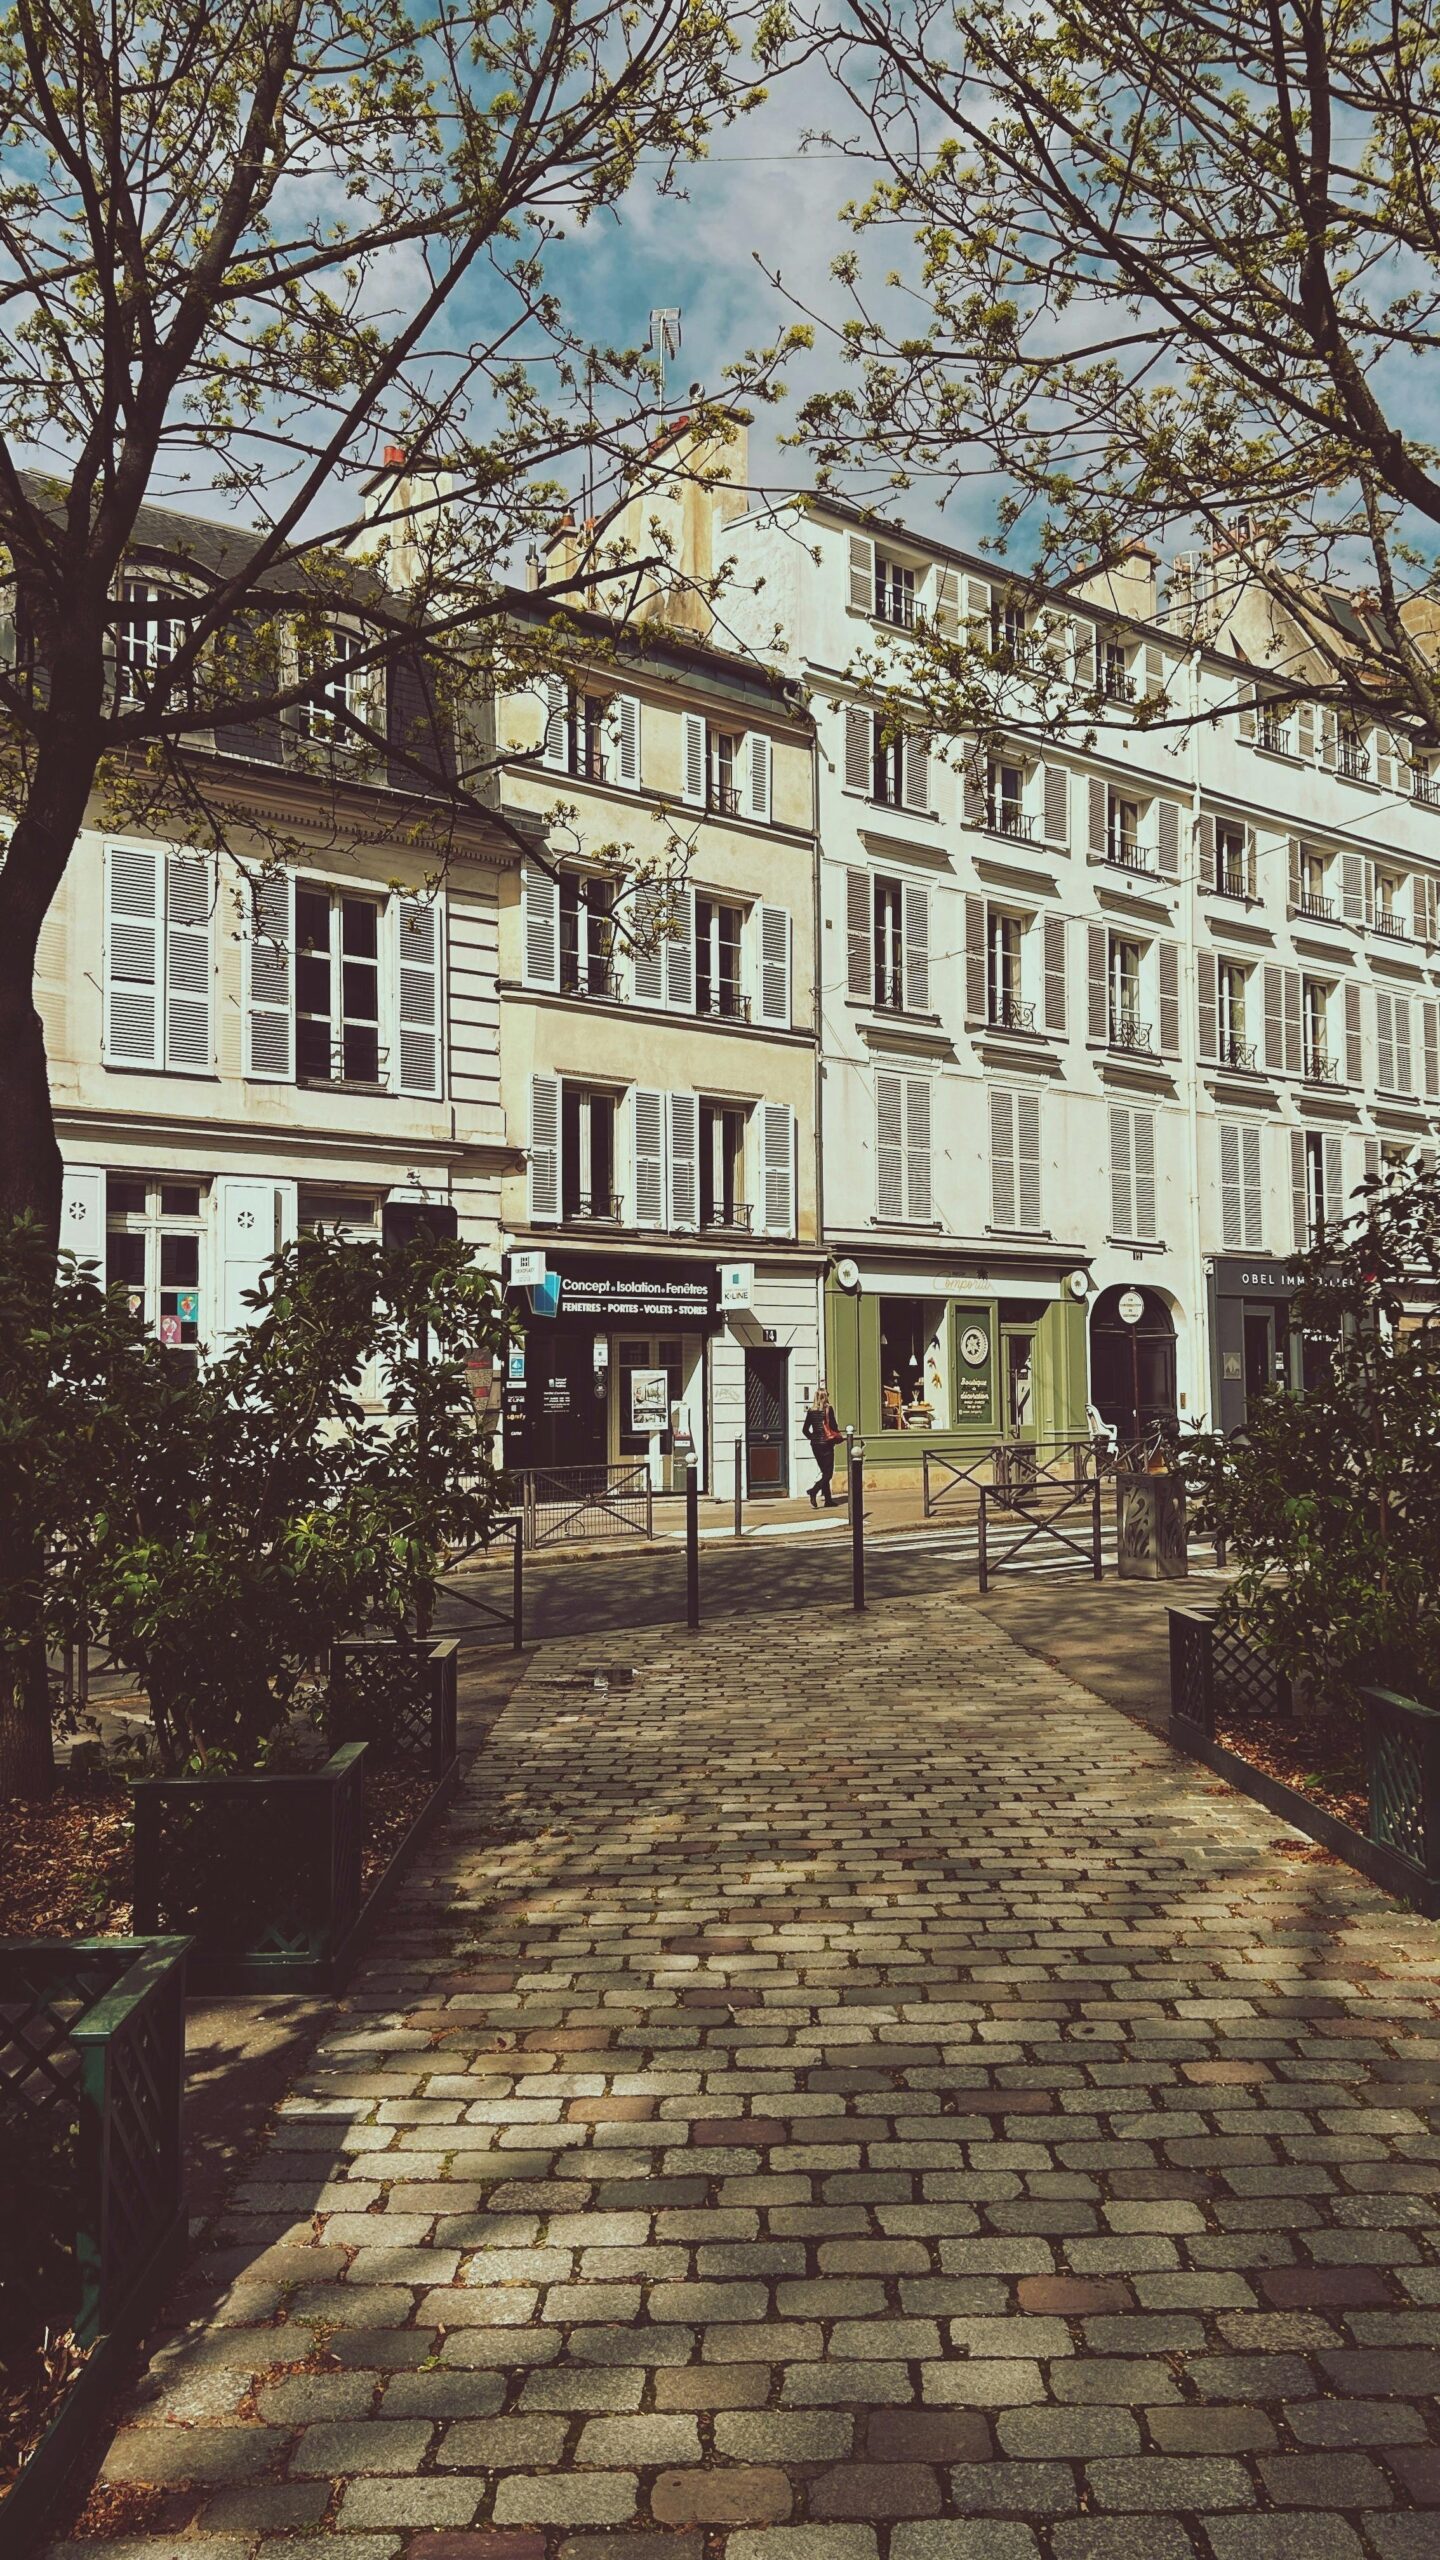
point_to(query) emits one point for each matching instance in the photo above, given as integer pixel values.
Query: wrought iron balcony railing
(1425, 787)
(1274, 735)
(596, 979)
(1320, 1067)
(1354, 763)
(889, 991)
(1393, 926)
(725, 1004)
(1232, 880)
(1320, 910)
(722, 1221)
(1007, 818)
(1130, 854)
(1117, 684)
(1008, 1013)
(1127, 1031)
(599, 1209)
(722, 799)
(1239, 1054)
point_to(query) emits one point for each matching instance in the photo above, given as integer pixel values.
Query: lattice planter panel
(263, 1872)
(1402, 1765)
(400, 1699)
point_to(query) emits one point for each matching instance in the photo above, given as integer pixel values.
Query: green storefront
(951, 1362)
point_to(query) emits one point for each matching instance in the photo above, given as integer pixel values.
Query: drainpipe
(1190, 1039)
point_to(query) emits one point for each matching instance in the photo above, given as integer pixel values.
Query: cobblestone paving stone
(839, 2095)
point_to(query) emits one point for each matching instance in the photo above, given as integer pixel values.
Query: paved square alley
(839, 2092)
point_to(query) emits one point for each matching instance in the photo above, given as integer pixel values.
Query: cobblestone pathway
(840, 2097)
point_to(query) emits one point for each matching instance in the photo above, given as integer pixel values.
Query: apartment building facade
(659, 1040)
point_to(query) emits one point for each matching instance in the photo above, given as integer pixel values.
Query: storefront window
(152, 1251)
(913, 1386)
(668, 1353)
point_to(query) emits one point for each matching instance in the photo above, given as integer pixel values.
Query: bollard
(517, 1610)
(739, 1488)
(692, 1544)
(855, 1484)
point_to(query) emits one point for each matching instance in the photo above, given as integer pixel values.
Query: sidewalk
(918, 2118)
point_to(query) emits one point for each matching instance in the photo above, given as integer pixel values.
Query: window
(1122, 832)
(903, 1188)
(587, 1154)
(1116, 681)
(1232, 982)
(1126, 970)
(672, 1353)
(1353, 753)
(1132, 1173)
(722, 1166)
(585, 736)
(1425, 783)
(1014, 1160)
(1232, 865)
(912, 1364)
(1322, 1187)
(157, 958)
(1242, 1196)
(152, 1251)
(1319, 1065)
(149, 635)
(1272, 728)
(1005, 947)
(337, 988)
(1005, 812)
(1312, 892)
(889, 769)
(591, 735)
(889, 948)
(892, 768)
(587, 936)
(722, 772)
(896, 977)
(894, 592)
(355, 1213)
(341, 691)
(719, 932)
(1389, 917)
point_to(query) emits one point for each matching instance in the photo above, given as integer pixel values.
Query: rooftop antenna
(664, 340)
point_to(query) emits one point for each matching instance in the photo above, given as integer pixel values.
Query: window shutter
(1003, 1192)
(133, 894)
(270, 1001)
(1373, 1160)
(684, 1160)
(977, 609)
(1055, 990)
(917, 773)
(1430, 1044)
(775, 966)
(1056, 797)
(625, 712)
(647, 963)
(247, 1229)
(1097, 814)
(692, 789)
(1154, 669)
(647, 1149)
(1386, 770)
(1299, 1196)
(1027, 1157)
(1122, 1173)
(1404, 1060)
(1296, 891)
(859, 959)
(859, 749)
(1247, 713)
(540, 902)
(757, 776)
(1305, 728)
(1207, 849)
(1252, 1143)
(1385, 1038)
(777, 1133)
(1352, 888)
(1099, 1015)
(915, 909)
(1142, 1130)
(976, 1008)
(973, 791)
(1207, 979)
(557, 705)
(189, 884)
(1169, 840)
(544, 1149)
(1329, 737)
(418, 979)
(918, 1192)
(1232, 1205)
(82, 1213)
(1082, 655)
(862, 574)
(1335, 1202)
(1169, 973)
(889, 1146)
(1252, 874)
(1291, 983)
(947, 603)
(1354, 1050)
(1274, 1022)
(1425, 909)
(680, 952)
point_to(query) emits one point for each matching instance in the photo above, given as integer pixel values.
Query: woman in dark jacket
(824, 1435)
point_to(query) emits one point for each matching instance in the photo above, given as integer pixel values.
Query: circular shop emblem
(974, 1345)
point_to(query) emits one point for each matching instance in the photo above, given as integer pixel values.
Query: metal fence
(1044, 1535)
(558, 1504)
(1011, 1469)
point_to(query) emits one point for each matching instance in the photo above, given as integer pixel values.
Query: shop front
(612, 1368)
(1254, 1343)
(954, 1359)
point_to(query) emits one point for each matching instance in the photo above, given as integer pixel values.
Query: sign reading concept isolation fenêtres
(682, 1296)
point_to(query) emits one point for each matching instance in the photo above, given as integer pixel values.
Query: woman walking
(824, 1435)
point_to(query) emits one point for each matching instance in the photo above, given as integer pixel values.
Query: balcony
(1130, 855)
(1232, 880)
(897, 607)
(1319, 910)
(596, 1209)
(596, 980)
(1007, 818)
(357, 1063)
(722, 800)
(1354, 762)
(1320, 1067)
(1274, 736)
(1425, 787)
(1008, 1013)
(1239, 1054)
(722, 1004)
(1128, 1032)
(720, 1220)
(1117, 685)
(889, 991)
(1393, 926)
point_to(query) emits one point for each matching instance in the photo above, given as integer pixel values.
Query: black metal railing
(1117, 685)
(1232, 880)
(722, 799)
(1425, 787)
(1310, 903)
(734, 1220)
(602, 1501)
(1239, 1054)
(1010, 1013)
(1394, 928)
(1004, 818)
(1045, 1534)
(1013, 1470)
(1214, 1665)
(724, 1004)
(1128, 853)
(1274, 735)
(1320, 1067)
(889, 991)
(596, 979)
(1354, 763)
(896, 605)
(600, 1209)
(1127, 1031)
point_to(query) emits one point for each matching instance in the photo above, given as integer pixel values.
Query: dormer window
(1008, 632)
(339, 697)
(1116, 681)
(894, 592)
(149, 635)
(1354, 753)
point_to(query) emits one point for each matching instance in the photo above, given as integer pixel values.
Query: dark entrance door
(767, 1438)
(1259, 1352)
(1132, 1367)
(564, 1415)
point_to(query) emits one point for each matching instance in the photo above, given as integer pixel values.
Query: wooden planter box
(1210, 1663)
(92, 2070)
(265, 1872)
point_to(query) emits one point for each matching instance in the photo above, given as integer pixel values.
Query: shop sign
(681, 1297)
(545, 1295)
(515, 1364)
(1131, 1306)
(972, 1399)
(974, 1345)
(556, 1396)
(527, 1270)
(649, 1399)
(737, 1286)
(1257, 1279)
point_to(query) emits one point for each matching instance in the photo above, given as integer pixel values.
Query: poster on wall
(649, 1399)
(973, 1401)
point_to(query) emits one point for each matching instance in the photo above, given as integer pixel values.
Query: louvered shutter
(540, 904)
(1305, 729)
(1354, 1049)
(1055, 990)
(977, 610)
(976, 1007)
(1329, 737)
(544, 1149)
(1003, 1188)
(915, 911)
(973, 792)
(1247, 712)
(1232, 1204)
(1154, 669)
(1291, 986)
(556, 706)
(1386, 768)
(1207, 849)
(1373, 1160)
(889, 1146)
(647, 1155)
(859, 956)
(692, 787)
(1385, 1038)
(918, 1189)
(1251, 1168)
(1296, 875)
(1099, 1009)
(1404, 1060)
(777, 1136)
(625, 717)
(775, 967)
(82, 1213)
(1426, 907)
(247, 1233)
(1097, 815)
(134, 893)
(1082, 655)
(757, 776)
(1143, 1136)
(1122, 1173)
(189, 885)
(1027, 1157)
(418, 975)
(859, 749)
(1169, 840)
(1169, 976)
(917, 773)
(1207, 979)
(647, 965)
(684, 1160)
(1335, 1202)
(862, 574)
(1299, 1194)
(1252, 874)
(947, 603)
(1430, 1045)
(1056, 804)
(1354, 904)
(680, 952)
(270, 994)
(1274, 1022)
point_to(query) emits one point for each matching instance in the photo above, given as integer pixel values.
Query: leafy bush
(1330, 1500)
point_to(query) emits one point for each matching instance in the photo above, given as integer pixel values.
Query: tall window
(587, 1153)
(889, 947)
(722, 1166)
(1354, 752)
(337, 988)
(1116, 680)
(719, 929)
(894, 592)
(1127, 1030)
(1122, 831)
(889, 769)
(149, 634)
(722, 772)
(1235, 1049)
(1005, 939)
(1005, 798)
(335, 659)
(1315, 899)
(1231, 868)
(1389, 913)
(1319, 1208)
(152, 1251)
(1315, 1016)
(586, 935)
(1007, 627)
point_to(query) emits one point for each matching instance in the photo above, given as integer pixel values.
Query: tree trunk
(27, 1747)
(30, 1167)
